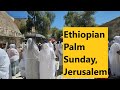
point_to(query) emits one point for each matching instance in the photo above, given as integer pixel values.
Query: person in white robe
(114, 57)
(53, 63)
(14, 59)
(23, 61)
(51, 45)
(47, 62)
(4, 65)
(32, 64)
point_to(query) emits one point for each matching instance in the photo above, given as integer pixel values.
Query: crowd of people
(38, 61)
(32, 61)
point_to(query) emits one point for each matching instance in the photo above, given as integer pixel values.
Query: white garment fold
(4, 65)
(52, 63)
(32, 64)
(47, 62)
(13, 53)
(114, 59)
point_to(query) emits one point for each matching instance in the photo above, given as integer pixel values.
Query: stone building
(113, 26)
(20, 22)
(9, 32)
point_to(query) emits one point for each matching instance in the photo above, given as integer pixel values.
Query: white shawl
(4, 65)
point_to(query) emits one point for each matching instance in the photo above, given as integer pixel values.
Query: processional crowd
(42, 61)
(33, 61)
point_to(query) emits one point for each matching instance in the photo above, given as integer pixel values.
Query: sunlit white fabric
(51, 45)
(13, 53)
(114, 58)
(23, 61)
(47, 62)
(12, 45)
(44, 61)
(117, 39)
(32, 64)
(4, 65)
(52, 62)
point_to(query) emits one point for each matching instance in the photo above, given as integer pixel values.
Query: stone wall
(113, 26)
(9, 32)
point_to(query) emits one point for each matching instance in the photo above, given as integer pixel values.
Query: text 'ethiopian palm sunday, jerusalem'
(85, 52)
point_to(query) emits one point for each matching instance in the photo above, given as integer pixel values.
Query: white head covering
(45, 52)
(117, 39)
(45, 47)
(114, 59)
(32, 48)
(29, 43)
(51, 45)
(12, 45)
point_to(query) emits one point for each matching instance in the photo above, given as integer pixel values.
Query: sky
(100, 16)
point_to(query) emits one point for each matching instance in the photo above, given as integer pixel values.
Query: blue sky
(100, 16)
